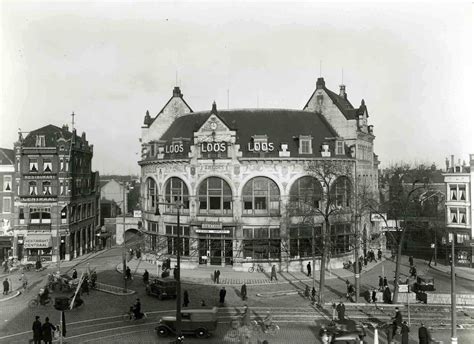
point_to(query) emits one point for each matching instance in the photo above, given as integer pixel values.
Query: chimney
(177, 92)
(320, 84)
(65, 127)
(342, 91)
(83, 136)
(452, 162)
(214, 107)
(147, 119)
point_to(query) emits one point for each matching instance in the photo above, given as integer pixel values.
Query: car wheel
(201, 333)
(162, 331)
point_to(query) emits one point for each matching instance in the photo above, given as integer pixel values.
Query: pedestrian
(243, 292)
(308, 268)
(410, 260)
(6, 286)
(273, 274)
(146, 277)
(128, 273)
(74, 273)
(222, 293)
(397, 321)
(93, 279)
(374, 295)
(313, 294)
(413, 271)
(38, 264)
(218, 274)
(379, 254)
(306, 291)
(387, 295)
(365, 261)
(360, 265)
(175, 273)
(85, 285)
(385, 282)
(24, 281)
(36, 330)
(341, 310)
(246, 316)
(47, 331)
(424, 336)
(405, 331)
(214, 278)
(380, 283)
(185, 298)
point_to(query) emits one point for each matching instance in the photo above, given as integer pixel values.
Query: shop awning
(6, 241)
(37, 241)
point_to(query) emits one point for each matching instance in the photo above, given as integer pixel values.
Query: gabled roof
(52, 133)
(280, 126)
(176, 93)
(7, 156)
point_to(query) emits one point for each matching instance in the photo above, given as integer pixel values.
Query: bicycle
(36, 302)
(257, 267)
(130, 315)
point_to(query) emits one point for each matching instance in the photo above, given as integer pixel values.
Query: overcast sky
(111, 61)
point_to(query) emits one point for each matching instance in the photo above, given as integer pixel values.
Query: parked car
(343, 331)
(424, 283)
(200, 322)
(162, 288)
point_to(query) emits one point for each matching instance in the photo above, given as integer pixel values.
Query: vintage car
(200, 322)
(343, 331)
(162, 288)
(424, 283)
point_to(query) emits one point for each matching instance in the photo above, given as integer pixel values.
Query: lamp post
(178, 206)
(454, 338)
(124, 247)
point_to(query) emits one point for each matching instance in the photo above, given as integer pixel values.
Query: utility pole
(454, 338)
(178, 281)
(314, 258)
(124, 250)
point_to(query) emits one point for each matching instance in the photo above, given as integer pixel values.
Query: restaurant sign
(37, 241)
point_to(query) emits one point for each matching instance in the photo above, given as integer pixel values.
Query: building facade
(247, 181)
(56, 209)
(7, 170)
(459, 211)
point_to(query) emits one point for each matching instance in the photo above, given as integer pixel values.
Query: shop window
(306, 195)
(176, 191)
(262, 243)
(7, 183)
(340, 195)
(215, 197)
(172, 240)
(261, 196)
(47, 188)
(47, 165)
(33, 165)
(33, 189)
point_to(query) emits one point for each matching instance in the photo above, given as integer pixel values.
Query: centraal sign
(37, 241)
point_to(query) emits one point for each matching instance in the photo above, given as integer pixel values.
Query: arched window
(150, 194)
(261, 196)
(176, 190)
(341, 192)
(306, 194)
(215, 196)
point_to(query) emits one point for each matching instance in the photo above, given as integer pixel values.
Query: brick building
(7, 170)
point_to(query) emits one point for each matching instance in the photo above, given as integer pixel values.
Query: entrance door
(228, 252)
(203, 250)
(216, 251)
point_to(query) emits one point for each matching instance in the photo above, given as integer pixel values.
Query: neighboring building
(114, 191)
(459, 210)
(238, 172)
(56, 195)
(7, 170)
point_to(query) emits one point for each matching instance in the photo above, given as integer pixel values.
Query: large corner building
(238, 172)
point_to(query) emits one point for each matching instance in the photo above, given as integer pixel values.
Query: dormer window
(305, 146)
(339, 147)
(40, 141)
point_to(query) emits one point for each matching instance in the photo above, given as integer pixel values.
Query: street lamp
(178, 206)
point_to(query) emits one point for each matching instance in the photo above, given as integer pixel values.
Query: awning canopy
(37, 241)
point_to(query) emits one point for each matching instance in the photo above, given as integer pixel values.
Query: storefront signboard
(213, 231)
(211, 225)
(37, 241)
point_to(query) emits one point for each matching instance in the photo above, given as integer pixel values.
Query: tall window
(457, 192)
(341, 238)
(21, 216)
(40, 215)
(33, 189)
(47, 165)
(33, 165)
(176, 190)
(40, 141)
(261, 243)
(173, 243)
(47, 188)
(215, 197)
(305, 195)
(7, 204)
(457, 215)
(7, 183)
(341, 192)
(301, 239)
(151, 194)
(261, 196)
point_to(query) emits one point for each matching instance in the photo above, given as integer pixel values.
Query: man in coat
(185, 298)
(424, 336)
(379, 254)
(274, 274)
(397, 320)
(410, 260)
(36, 330)
(243, 292)
(47, 331)
(387, 295)
(222, 293)
(380, 283)
(6, 286)
(341, 310)
(308, 267)
(218, 274)
(385, 282)
(405, 331)
(74, 273)
(146, 277)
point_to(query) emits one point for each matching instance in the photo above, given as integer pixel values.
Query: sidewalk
(203, 274)
(462, 272)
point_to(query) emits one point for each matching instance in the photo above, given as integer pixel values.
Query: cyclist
(137, 310)
(268, 321)
(24, 281)
(43, 296)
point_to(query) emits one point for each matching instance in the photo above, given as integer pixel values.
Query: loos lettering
(213, 147)
(261, 147)
(175, 148)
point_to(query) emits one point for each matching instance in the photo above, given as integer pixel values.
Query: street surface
(99, 320)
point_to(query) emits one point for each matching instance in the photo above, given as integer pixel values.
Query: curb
(449, 272)
(15, 294)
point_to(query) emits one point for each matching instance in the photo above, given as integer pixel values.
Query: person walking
(222, 294)
(146, 277)
(6, 286)
(410, 260)
(47, 331)
(313, 295)
(424, 336)
(341, 310)
(380, 283)
(385, 282)
(405, 331)
(397, 321)
(36, 330)
(24, 281)
(308, 268)
(374, 295)
(93, 279)
(389, 333)
(218, 274)
(214, 277)
(379, 254)
(413, 271)
(273, 274)
(185, 298)
(74, 273)
(243, 292)
(246, 316)
(387, 295)
(85, 285)
(128, 273)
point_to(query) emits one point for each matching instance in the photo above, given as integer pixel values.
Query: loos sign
(260, 147)
(216, 147)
